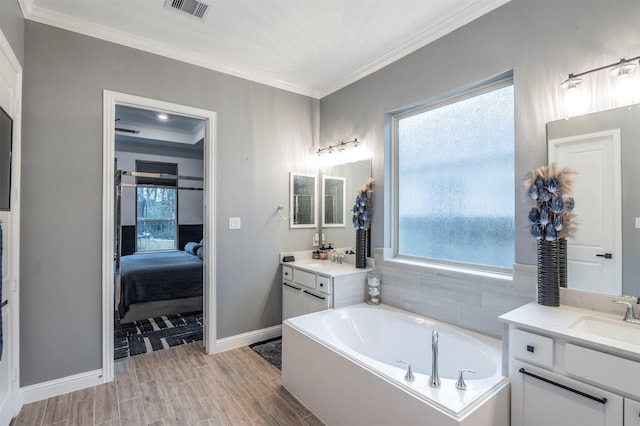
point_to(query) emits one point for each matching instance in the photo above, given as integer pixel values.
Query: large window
(455, 180)
(156, 207)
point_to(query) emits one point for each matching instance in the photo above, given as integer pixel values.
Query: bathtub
(342, 364)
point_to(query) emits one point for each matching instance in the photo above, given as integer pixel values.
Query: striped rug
(153, 334)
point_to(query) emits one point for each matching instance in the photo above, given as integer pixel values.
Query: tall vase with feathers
(552, 222)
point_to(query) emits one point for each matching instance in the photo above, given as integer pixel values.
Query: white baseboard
(88, 379)
(245, 339)
(61, 386)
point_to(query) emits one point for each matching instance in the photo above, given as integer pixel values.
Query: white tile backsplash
(472, 301)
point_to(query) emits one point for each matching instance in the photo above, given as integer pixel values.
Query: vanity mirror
(333, 201)
(352, 175)
(603, 148)
(302, 200)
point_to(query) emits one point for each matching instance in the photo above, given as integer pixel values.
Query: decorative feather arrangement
(361, 209)
(552, 218)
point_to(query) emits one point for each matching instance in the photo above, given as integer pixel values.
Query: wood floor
(178, 386)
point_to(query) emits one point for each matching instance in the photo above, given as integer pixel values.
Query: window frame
(177, 204)
(393, 255)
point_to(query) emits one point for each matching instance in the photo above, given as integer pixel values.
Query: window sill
(442, 270)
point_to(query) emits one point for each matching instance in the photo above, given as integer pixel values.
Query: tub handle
(460, 384)
(409, 376)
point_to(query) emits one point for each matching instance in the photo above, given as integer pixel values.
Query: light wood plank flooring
(178, 386)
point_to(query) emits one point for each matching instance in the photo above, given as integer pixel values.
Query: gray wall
(12, 25)
(263, 133)
(541, 41)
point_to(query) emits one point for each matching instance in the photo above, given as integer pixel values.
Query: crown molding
(37, 14)
(34, 13)
(457, 20)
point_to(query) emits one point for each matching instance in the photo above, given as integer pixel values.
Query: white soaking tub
(342, 364)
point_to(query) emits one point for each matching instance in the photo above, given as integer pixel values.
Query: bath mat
(153, 334)
(271, 350)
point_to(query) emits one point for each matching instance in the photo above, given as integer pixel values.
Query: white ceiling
(311, 47)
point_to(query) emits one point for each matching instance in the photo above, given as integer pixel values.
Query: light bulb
(573, 97)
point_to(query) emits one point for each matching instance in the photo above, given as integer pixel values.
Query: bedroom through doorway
(160, 289)
(159, 267)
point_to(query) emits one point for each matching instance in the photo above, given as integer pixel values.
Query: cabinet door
(314, 302)
(291, 300)
(631, 412)
(546, 399)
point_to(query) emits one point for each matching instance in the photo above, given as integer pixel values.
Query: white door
(594, 259)
(10, 94)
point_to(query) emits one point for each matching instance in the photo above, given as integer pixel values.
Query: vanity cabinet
(305, 291)
(560, 378)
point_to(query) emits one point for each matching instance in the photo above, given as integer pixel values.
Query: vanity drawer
(287, 273)
(304, 278)
(533, 348)
(620, 374)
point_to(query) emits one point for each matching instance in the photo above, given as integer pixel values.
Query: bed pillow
(200, 252)
(201, 242)
(191, 248)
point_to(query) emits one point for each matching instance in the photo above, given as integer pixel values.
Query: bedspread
(148, 277)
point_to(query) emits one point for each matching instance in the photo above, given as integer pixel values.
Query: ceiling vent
(191, 7)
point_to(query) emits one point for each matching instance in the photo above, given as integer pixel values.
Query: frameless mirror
(355, 174)
(302, 201)
(333, 201)
(602, 148)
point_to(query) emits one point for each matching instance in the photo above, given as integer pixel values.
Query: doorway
(113, 101)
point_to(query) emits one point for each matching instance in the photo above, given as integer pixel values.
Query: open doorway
(163, 170)
(159, 232)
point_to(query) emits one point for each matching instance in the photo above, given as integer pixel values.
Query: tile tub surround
(474, 301)
(471, 301)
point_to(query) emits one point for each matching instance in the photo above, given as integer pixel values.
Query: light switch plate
(637, 222)
(234, 223)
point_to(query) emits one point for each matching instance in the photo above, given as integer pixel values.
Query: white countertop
(305, 261)
(326, 267)
(563, 321)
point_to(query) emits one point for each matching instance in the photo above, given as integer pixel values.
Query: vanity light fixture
(340, 146)
(621, 69)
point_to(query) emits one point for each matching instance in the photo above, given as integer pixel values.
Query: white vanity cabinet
(562, 377)
(305, 291)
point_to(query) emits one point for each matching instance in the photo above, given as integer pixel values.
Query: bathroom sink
(611, 329)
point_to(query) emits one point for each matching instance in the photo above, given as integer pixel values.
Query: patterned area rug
(271, 350)
(153, 334)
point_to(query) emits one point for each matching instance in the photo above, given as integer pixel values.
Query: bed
(159, 283)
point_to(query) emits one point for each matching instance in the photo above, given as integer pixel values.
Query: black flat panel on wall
(6, 140)
(189, 233)
(128, 240)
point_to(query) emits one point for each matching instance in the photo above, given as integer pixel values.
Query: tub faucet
(434, 381)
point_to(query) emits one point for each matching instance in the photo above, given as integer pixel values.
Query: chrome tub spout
(434, 381)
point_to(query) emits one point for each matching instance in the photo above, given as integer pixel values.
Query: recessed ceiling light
(162, 116)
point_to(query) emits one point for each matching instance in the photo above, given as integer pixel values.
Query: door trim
(110, 100)
(11, 231)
